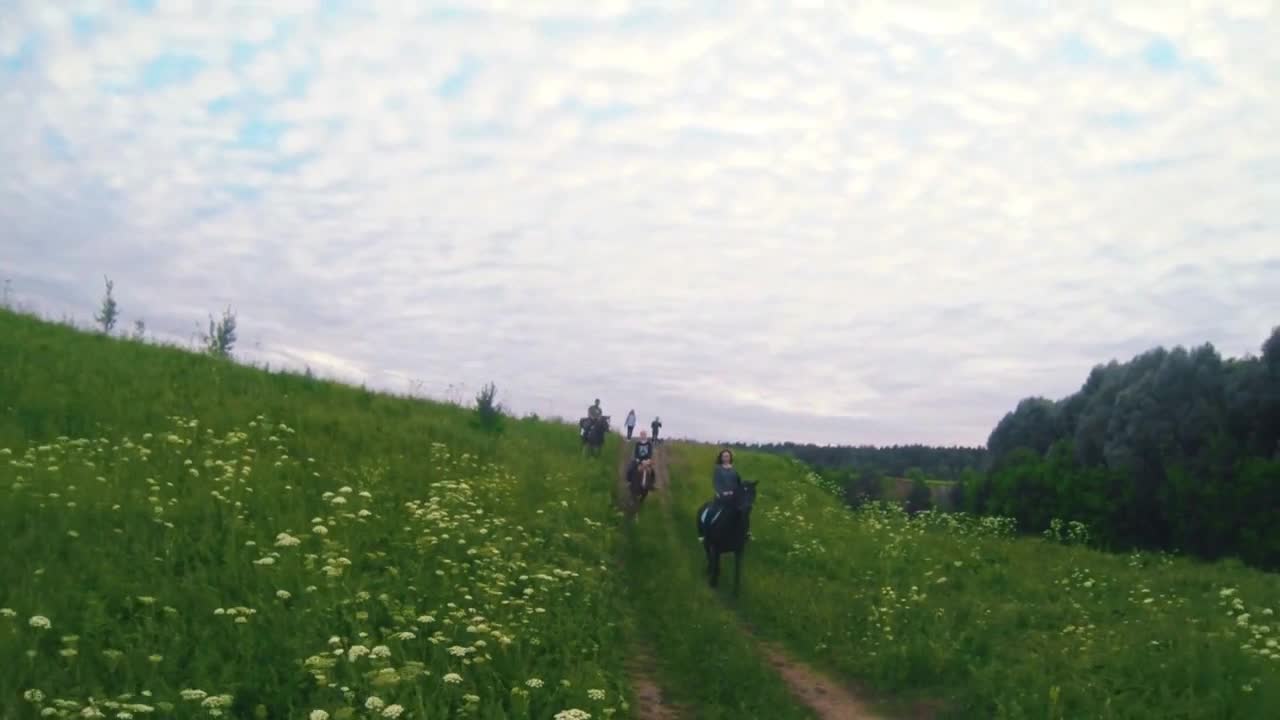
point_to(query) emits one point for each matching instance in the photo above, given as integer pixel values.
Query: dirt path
(828, 699)
(650, 702)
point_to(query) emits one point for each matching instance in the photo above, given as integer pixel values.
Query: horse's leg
(712, 561)
(737, 571)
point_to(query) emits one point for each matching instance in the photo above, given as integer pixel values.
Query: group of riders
(725, 480)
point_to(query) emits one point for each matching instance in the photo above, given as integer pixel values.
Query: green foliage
(920, 498)
(1175, 449)
(109, 312)
(1071, 532)
(951, 611)
(221, 336)
(945, 463)
(192, 529)
(489, 411)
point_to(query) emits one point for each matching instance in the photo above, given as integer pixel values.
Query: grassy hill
(187, 537)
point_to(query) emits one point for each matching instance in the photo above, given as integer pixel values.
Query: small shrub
(488, 409)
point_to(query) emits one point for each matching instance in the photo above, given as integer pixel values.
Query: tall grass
(705, 662)
(190, 538)
(186, 537)
(952, 608)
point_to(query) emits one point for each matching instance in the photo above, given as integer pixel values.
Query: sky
(830, 222)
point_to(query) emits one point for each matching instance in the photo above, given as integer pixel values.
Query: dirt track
(829, 700)
(651, 702)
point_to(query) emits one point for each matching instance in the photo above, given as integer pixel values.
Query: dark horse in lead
(723, 525)
(593, 432)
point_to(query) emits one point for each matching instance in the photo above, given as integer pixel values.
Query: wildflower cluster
(386, 596)
(1073, 532)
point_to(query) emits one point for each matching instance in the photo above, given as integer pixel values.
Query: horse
(723, 527)
(640, 479)
(593, 433)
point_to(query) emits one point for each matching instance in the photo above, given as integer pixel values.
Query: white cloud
(873, 224)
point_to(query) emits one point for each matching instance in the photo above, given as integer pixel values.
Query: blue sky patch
(1075, 50)
(1116, 120)
(84, 26)
(57, 144)
(20, 60)
(459, 80)
(1161, 55)
(259, 134)
(169, 69)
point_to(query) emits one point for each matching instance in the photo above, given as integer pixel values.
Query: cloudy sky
(834, 222)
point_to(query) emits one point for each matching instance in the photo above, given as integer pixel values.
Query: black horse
(593, 433)
(723, 527)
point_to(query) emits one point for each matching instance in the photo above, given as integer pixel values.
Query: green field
(187, 537)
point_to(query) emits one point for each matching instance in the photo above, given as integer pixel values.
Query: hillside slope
(188, 537)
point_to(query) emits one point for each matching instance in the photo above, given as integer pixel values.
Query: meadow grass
(186, 537)
(952, 608)
(704, 661)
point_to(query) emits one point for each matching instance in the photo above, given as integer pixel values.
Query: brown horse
(640, 479)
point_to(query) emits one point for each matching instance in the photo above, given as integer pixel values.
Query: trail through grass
(951, 611)
(191, 538)
(703, 661)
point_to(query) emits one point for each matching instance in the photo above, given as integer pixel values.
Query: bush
(488, 410)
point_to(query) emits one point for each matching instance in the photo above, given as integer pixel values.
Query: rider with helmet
(642, 453)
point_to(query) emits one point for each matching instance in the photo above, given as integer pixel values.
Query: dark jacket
(643, 451)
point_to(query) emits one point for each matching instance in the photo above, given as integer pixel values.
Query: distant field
(898, 488)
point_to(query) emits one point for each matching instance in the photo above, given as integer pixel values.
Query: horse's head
(748, 499)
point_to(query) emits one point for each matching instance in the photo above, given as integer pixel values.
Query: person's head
(644, 436)
(597, 402)
(725, 457)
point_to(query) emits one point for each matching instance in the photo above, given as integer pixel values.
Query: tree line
(940, 463)
(1175, 449)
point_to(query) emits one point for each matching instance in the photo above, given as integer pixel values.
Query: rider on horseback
(594, 412)
(725, 481)
(644, 448)
(641, 457)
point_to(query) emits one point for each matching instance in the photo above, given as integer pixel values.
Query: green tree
(109, 312)
(489, 411)
(221, 337)
(920, 498)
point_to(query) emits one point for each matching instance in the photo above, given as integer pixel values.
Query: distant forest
(1174, 449)
(940, 463)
